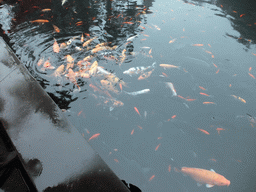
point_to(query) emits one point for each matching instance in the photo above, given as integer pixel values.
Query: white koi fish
(138, 70)
(138, 92)
(63, 1)
(131, 38)
(170, 85)
(103, 71)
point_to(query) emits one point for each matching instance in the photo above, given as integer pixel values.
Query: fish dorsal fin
(199, 184)
(212, 170)
(209, 186)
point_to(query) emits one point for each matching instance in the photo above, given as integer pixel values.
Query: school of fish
(109, 88)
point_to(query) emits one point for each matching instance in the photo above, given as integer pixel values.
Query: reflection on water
(151, 85)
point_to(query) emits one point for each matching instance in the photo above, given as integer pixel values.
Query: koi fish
(103, 71)
(102, 44)
(135, 108)
(56, 47)
(45, 10)
(114, 79)
(88, 58)
(71, 40)
(89, 41)
(63, 45)
(97, 49)
(206, 132)
(63, 1)
(138, 70)
(94, 136)
(109, 86)
(241, 99)
(71, 75)
(93, 68)
(169, 66)
(47, 65)
(170, 85)
(40, 21)
(131, 38)
(56, 28)
(122, 57)
(219, 129)
(40, 62)
(203, 176)
(145, 75)
(138, 92)
(82, 38)
(59, 71)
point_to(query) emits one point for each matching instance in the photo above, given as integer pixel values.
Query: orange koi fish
(251, 75)
(89, 41)
(208, 103)
(47, 65)
(169, 168)
(128, 23)
(203, 176)
(56, 29)
(204, 94)
(145, 75)
(40, 21)
(172, 41)
(202, 88)
(241, 99)
(170, 85)
(199, 45)
(206, 132)
(94, 136)
(63, 45)
(93, 68)
(40, 62)
(152, 177)
(135, 108)
(109, 86)
(157, 147)
(88, 58)
(82, 38)
(59, 71)
(191, 99)
(71, 75)
(45, 10)
(56, 47)
(220, 129)
(97, 49)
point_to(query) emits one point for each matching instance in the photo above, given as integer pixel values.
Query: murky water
(203, 119)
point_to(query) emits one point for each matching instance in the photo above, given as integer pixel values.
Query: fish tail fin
(154, 64)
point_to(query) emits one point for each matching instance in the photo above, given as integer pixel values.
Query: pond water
(151, 85)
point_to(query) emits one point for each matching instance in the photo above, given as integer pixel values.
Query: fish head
(222, 181)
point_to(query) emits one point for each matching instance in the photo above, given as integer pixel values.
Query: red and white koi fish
(170, 85)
